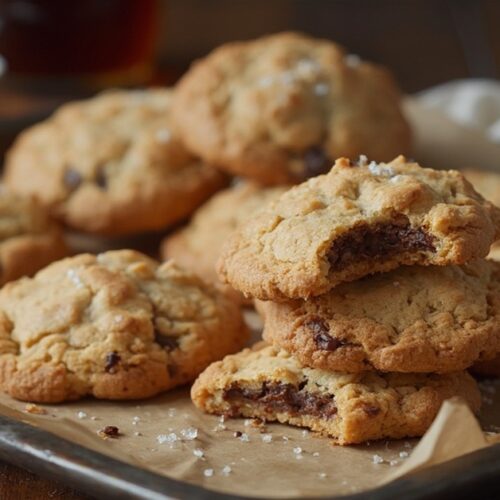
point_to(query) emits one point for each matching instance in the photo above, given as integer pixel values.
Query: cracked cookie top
(281, 108)
(412, 319)
(357, 220)
(115, 326)
(111, 164)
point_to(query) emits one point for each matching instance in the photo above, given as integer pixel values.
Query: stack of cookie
(353, 354)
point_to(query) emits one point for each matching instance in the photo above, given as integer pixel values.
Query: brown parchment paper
(281, 461)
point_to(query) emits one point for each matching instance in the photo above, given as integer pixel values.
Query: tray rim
(101, 476)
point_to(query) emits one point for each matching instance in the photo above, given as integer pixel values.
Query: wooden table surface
(18, 484)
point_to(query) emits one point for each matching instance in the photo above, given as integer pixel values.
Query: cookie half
(280, 109)
(357, 220)
(412, 319)
(115, 326)
(198, 245)
(269, 384)
(29, 239)
(111, 165)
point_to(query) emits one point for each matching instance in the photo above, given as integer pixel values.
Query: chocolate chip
(322, 338)
(112, 359)
(111, 431)
(170, 343)
(316, 162)
(72, 179)
(237, 434)
(100, 178)
(371, 410)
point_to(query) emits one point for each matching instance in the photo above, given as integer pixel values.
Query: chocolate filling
(277, 397)
(382, 240)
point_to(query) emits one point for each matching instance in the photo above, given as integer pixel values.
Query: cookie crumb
(322, 475)
(35, 409)
(110, 431)
(136, 433)
(226, 470)
(316, 454)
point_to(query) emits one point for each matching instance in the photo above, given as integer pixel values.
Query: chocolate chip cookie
(281, 108)
(197, 246)
(269, 384)
(115, 326)
(29, 239)
(111, 165)
(357, 220)
(412, 319)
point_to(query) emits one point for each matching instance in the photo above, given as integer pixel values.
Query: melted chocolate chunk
(316, 162)
(373, 242)
(100, 178)
(112, 359)
(170, 343)
(321, 336)
(72, 179)
(277, 397)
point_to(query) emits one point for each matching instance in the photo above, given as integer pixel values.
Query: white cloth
(457, 125)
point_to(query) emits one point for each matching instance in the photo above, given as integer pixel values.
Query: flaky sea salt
(198, 452)
(297, 450)
(285, 438)
(403, 454)
(392, 463)
(380, 170)
(167, 438)
(248, 422)
(244, 437)
(171, 412)
(305, 433)
(322, 475)
(136, 420)
(208, 472)
(189, 434)
(73, 276)
(377, 459)
(267, 438)
(81, 415)
(362, 160)
(316, 454)
(136, 433)
(226, 470)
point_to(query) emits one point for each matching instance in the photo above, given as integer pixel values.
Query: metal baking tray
(476, 475)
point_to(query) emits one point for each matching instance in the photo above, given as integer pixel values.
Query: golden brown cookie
(412, 319)
(29, 239)
(111, 165)
(115, 326)
(357, 220)
(281, 108)
(197, 246)
(269, 384)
